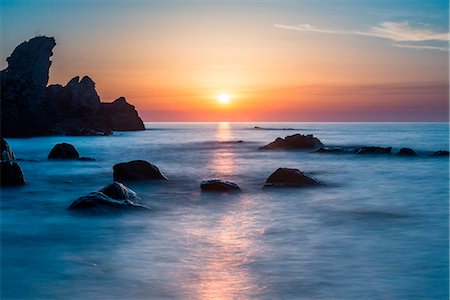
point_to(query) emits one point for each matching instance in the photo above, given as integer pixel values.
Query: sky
(279, 60)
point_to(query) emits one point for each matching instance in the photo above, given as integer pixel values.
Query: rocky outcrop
(63, 151)
(30, 108)
(406, 152)
(137, 170)
(442, 153)
(10, 171)
(286, 177)
(120, 115)
(217, 185)
(23, 82)
(294, 142)
(373, 150)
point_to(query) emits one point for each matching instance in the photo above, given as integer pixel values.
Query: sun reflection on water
(223, 162)
(222, 257)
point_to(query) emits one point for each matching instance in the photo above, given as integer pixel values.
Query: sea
(378, 227)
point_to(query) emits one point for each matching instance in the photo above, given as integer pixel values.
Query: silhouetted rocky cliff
(29, 107)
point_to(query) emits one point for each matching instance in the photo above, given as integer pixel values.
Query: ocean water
(377, 229)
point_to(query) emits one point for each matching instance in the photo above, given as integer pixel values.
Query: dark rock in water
(406, 152)
(120, 115)
(296, 141)
(329, 150)
(441, 153)
(99, 201)
(7, 154)
(11, 174)
(137, 170)
(286, 177)
(30, 108)
(373, 150)
(63, 151)
(217, 185)
(10, 171)
(86, 159)
(118, 191)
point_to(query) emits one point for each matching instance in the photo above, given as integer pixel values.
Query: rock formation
(373, 150)
(63, 151)
(118, 191)
(443, 153)
(111, 197)
(99, 202)
(406, 152)
(217, 185)
(137, 170)
(286, 177)
(30, 108)
(10, 171)
(294, 142)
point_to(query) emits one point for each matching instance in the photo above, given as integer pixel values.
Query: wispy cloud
(398, 32)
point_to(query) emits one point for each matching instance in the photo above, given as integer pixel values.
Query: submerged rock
(373, 150)
(443, 153)
(10, 171)
(286, 177)
(87, 159)
(137, 170)
(296, 141)
(329, 150)
(98, 200)
(63, 151)
(30, 108)
(406, 152)
(217, 185)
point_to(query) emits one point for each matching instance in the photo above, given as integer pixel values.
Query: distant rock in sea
(294, 142)
(406, 152)
(373, 150)
(287, 177)
(66, 151)
(217, 185)
(11, 173)
(137, 170)
(31, 108)
(443, 153)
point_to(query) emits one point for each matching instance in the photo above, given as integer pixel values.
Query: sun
(223, 98)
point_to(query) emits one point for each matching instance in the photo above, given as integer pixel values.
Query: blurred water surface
(377, 230)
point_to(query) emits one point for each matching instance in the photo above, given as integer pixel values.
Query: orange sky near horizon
(171, 62)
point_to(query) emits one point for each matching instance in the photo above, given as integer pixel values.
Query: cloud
(394, 31)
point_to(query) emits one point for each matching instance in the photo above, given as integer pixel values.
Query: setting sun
(223, 98)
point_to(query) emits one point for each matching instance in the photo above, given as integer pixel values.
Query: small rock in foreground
(10, 172)
(217, 185)
(287, 177)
